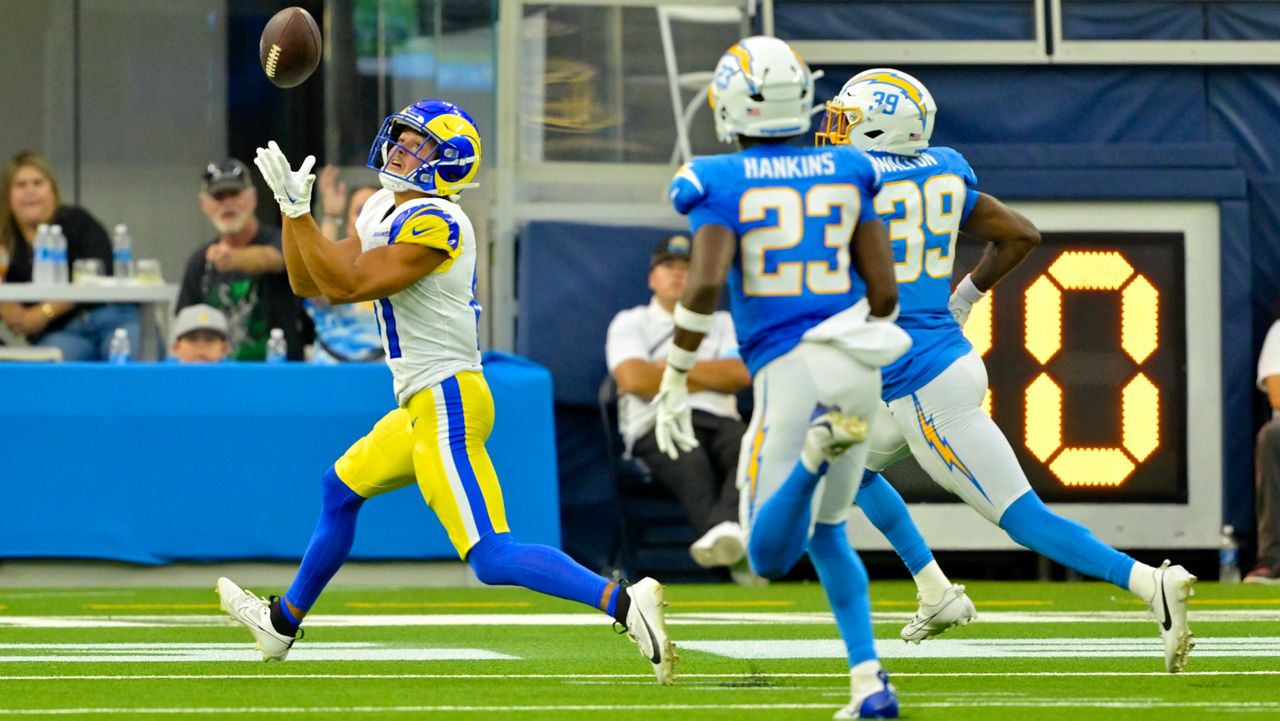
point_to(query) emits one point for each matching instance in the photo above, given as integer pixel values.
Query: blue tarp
(154, 463)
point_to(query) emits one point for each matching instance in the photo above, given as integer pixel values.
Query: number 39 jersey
(429, 330)
(794, 211)
(924, 200)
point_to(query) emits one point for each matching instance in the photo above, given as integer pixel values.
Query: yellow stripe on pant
(439, 439)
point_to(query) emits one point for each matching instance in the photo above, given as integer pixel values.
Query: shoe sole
(1261, 581)
(724, 551)
(666, 672)
(222, 602)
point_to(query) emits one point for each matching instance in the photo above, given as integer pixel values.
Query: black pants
(704, 479)
(1267, 501)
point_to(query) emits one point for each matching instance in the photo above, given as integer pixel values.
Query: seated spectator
(1267, 466)
(241, 272)
(704, 479)
(81, 331)
(199, 335)
(348, 331)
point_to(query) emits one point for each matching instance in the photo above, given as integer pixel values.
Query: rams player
(934, 392)
(813, 301)
(414, 254)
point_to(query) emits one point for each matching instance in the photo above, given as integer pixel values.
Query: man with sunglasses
(241, 271)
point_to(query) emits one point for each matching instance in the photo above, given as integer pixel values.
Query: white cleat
(1174, 588)
(877, 699)
(831, 434)
(647, 627)
(722, 545)
(932, 619)
(254, 613)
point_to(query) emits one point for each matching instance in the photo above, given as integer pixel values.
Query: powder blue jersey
(794, 211)
(924, 200)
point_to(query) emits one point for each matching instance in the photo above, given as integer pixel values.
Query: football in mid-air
(290, 47)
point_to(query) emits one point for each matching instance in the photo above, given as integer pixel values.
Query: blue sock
(499, 561)
(782, 525)
(1029, 522)
(884, 507)
(330, 543)
(844, 579)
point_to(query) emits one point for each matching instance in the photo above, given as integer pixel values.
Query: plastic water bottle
(277, 348)
(60, 272)
(122, 252)
(120, 350)
(1228, 556)
(40, 265)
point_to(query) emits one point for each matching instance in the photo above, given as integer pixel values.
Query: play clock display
(1085, 349)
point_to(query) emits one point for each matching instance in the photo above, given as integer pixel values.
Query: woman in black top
(30, 197)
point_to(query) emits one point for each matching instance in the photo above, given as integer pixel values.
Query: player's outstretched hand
(673, 429)
(292, 189)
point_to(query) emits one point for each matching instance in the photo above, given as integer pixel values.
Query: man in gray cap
(241, 272)
(704, 479)
(199, 335)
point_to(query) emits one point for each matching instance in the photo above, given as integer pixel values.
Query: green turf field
(1038, 651)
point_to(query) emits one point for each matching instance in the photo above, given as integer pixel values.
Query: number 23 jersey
(794, 211)
(430, 329)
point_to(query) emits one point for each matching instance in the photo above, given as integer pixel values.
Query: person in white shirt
(702, 479)
(1267, 466)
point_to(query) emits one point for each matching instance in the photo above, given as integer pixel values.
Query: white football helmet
(880, 109)
(761, 89)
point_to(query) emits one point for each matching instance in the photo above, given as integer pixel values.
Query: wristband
(691, 321)
(968, 292)
(893, 315)
(680, 359)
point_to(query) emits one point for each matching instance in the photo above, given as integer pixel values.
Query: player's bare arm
(378, 273)
(1010, 237)
(873, 259)
(300, 279)
(713, 250)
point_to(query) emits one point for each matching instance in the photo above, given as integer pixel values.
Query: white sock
(864, 676)
(1142, 581)
(932, 583)
(812, 459)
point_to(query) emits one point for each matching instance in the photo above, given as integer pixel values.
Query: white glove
(962, 300)
(673, 428)
(292, 189)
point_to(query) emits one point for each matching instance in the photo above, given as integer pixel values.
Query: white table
(154, 301)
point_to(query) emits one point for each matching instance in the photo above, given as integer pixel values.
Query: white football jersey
(430, 330)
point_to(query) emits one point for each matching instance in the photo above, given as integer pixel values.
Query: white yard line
(727, 618)
(984, 703)
(647, 677)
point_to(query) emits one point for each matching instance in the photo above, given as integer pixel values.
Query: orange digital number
(1139, 337)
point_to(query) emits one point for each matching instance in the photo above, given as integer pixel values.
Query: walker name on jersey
(788, 167)
(890, 163)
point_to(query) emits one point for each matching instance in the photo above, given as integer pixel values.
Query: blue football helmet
(447, 167)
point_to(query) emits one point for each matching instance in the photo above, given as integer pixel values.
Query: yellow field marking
(150, 606)
(913, 604)
(442, 604)
(1222, 602)
(731, 604)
